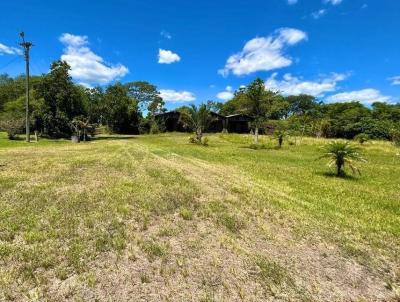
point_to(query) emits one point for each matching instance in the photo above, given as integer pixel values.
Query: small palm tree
(280, 135)
(342, 153)
(196, 118)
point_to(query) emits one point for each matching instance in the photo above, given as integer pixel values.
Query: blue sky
(194, 51)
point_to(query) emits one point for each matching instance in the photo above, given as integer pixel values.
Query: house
(171, 120)
(239, 123)
(235, 123)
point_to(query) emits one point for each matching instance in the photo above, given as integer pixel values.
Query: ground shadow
(333, 175)
(113, 137)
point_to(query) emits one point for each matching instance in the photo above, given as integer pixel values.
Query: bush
(194, 140)
(13, 127)
(361, 138)
(395, 137)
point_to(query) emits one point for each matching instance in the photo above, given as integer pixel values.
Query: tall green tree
(120, 111)
(62, 100)
(256, 101)
(147, 96)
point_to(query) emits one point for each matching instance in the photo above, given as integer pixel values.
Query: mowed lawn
(154, 218)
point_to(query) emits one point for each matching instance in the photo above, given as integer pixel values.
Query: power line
(10, 62)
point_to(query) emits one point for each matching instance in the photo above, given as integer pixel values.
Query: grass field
(153, 218)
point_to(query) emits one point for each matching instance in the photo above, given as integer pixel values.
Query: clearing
(154, 218)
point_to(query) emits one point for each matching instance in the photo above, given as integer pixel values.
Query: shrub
(13, 127)
(395, 137)
(195, 140)
(361, 138)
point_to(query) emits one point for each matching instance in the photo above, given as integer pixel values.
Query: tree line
(306, 115)
(61, 108)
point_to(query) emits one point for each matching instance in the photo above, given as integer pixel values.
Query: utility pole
(26, 45)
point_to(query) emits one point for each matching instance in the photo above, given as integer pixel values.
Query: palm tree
(280, 135)
(81, 124)
(196, 118)
(342, 153)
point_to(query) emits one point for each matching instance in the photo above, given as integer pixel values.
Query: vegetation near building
(56, 101)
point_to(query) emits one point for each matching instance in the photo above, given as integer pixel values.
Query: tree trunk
(256, 136)
(339, 166)
(199, 134)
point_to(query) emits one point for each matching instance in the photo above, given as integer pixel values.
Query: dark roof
(217, 114)
(231, 116)
(167, 113)
(177, 112)
(239, 115)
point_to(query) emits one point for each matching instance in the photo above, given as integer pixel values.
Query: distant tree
(13, 88)
(120, 111)
(347, 119)
(342, 153)
(216, 107)
(149, 99)
(94, 105)
(62, 100)
(304, 111)
(196, 118)
(256, 101)
(147, 96)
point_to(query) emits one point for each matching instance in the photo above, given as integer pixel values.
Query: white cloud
(291, 85)
(227, 94)
(86, 66)
(166, 35)
(174, 96)
(167, 57)
(365, 96)
(291, 2)
(265, 53)
(395, 80)
(8, 50)
(319, 14)
(333, 2)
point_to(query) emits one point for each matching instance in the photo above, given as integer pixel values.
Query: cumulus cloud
(333, 2)
(265, 53)
(167, 57)
(291, 2)
(8, 50)
(395, 80)
(366, 96)
(86, 66)
(173, 96)
(291, 85)
(226, 95)
(318, 14)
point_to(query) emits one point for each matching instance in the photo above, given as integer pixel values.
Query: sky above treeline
(194, 51)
